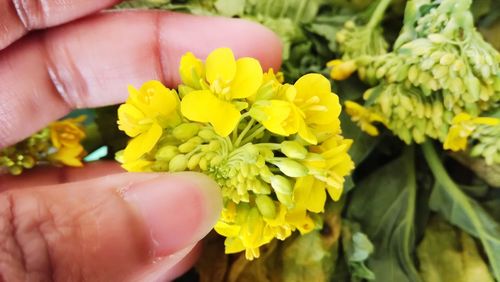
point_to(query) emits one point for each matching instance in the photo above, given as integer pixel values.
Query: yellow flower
(364, 117)
(463, 125)
(245, 233)
(330, 163)
(191, 70)
(278, 226)
(66, 136)
(304, 108)
(318, 106)
(144, 115)
(67, 132)
(70, 156)
(226, 81)
(341, 69)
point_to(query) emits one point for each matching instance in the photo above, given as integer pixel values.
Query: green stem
(378, 14)
(444, 179)
(409, 237)
(244, 132)
(255, 133)
(272, 146)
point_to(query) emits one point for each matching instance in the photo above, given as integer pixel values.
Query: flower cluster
(275, 149)
(58, 144)
(482, 132)
(439, 67)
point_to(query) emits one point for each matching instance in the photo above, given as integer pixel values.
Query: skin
(99, 223)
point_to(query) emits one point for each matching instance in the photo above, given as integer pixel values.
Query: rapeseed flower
(341, 70)
(66, 136)
(263, 141)
(364, 117)
(302, 108)
(145, 114)
(223, 83)
(463, 125)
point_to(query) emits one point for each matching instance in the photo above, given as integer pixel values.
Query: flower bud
(28, 162)
(166, 153)
(281, 184)
(185, 131)
(178, 163)
(190, 145)
(194, 160)
(447, 59)
(207, 134)
(293, 149)
(289, 167)
(266, 206)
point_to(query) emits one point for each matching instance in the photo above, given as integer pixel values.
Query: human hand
(97, 223)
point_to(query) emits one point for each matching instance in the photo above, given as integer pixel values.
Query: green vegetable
(384, 205)
(448, 254)
(462, 211)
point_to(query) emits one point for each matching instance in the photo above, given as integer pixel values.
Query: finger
(172, 266)
(43, 176)
(90, 62)
(184, 264)
(20, 16)
(108, 229)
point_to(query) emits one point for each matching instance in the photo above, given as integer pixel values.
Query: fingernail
(177, 209)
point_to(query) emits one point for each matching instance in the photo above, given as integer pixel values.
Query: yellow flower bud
(178, 163)
(342, 69)
(166, 153)
(266, 206)
(281, 185)
(184, 131)
(289, 167)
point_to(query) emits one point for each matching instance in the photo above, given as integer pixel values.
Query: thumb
(115, 228)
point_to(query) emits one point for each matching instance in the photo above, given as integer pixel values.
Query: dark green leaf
(384, 205)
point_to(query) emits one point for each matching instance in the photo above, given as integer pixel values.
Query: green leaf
(448, 254)
(384, 205)
(328, 32)
(462, 211)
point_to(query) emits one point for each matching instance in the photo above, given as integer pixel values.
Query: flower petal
(220, 64)
(278, 117)
(224, 118)
(306, 133)
(310, 194)
(191, 70)
(334, 191)
(128, 120)
(198, 105)
(154, 99)
(70, 156)
(311, 85)
(248, 78)
(203, 106)
(142, 144)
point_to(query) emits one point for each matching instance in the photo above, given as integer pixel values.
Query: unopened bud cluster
(440, 66)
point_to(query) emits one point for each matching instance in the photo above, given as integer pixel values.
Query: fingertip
(177, 209)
